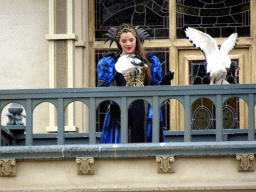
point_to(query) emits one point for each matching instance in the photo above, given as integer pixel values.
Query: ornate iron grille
(203, 110)
(218, 18)
(152, 15)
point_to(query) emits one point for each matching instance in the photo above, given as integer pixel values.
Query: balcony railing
(19, 145)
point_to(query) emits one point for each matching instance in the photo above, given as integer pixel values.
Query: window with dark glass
(218, 18)
(152, 15)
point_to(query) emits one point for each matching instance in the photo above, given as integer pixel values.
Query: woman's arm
(157, 77)
(106, 70)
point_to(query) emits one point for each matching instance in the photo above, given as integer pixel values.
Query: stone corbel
(7, 167)
(164, 164)
(85, 165)
(245, 162)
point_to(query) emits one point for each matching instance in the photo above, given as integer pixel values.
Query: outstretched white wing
(228, 44)
(202, 40)
(206, 43)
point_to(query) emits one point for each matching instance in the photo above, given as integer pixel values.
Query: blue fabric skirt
(111, 132)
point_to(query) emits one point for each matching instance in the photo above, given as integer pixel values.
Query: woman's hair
(139, 49)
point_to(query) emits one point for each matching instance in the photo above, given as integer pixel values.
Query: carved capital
(7, 167)
(245, 162)
(85, 165)
(164, 164)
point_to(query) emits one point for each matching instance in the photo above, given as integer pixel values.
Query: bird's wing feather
(213, 62)
(206, 43)
(228, 44)
(202, 40)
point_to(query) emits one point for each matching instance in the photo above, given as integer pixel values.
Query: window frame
(177, 63)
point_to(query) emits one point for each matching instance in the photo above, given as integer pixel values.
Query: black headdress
(142, 34)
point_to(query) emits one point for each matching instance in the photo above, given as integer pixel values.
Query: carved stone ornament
(164, 164)
(7, 167)
(85, 165)
(245, 162)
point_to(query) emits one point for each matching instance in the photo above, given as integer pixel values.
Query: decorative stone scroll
(245, 162)
(85, 165)
(164, 164)
(7, 167)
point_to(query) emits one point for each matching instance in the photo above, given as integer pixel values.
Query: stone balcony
(190, 160)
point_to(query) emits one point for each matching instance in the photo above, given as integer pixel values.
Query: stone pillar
(61, 39)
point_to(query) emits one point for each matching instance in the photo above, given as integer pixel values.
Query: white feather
(217, 59)
(125, 62)
(229, 44)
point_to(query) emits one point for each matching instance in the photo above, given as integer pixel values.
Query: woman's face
(127, 42)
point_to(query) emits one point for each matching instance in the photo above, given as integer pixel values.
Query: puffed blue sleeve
(106, 70)
(156, 70)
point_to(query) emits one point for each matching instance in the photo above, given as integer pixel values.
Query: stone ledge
(177, 188)
(128, 150)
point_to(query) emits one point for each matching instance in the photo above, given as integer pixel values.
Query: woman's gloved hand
(168, 77)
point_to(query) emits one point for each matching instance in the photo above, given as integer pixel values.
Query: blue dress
(137, 115)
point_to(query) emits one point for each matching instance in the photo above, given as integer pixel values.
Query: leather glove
(168, 77)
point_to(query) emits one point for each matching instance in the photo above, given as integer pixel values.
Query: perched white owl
(218, 61)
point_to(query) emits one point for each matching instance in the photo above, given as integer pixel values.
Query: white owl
(127, 62)
(218, 61)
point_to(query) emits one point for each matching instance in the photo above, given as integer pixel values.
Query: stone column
(61, 39)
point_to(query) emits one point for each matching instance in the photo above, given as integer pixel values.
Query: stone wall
(24, 51)
(130, 174)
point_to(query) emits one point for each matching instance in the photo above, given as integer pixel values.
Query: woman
(130, 67)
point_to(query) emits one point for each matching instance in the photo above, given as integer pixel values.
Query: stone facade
(130, 174)
(31, 44)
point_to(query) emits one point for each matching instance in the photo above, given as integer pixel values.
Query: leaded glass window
(152, 15)
(218, 18)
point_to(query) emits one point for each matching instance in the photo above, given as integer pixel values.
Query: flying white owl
(218, 61)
